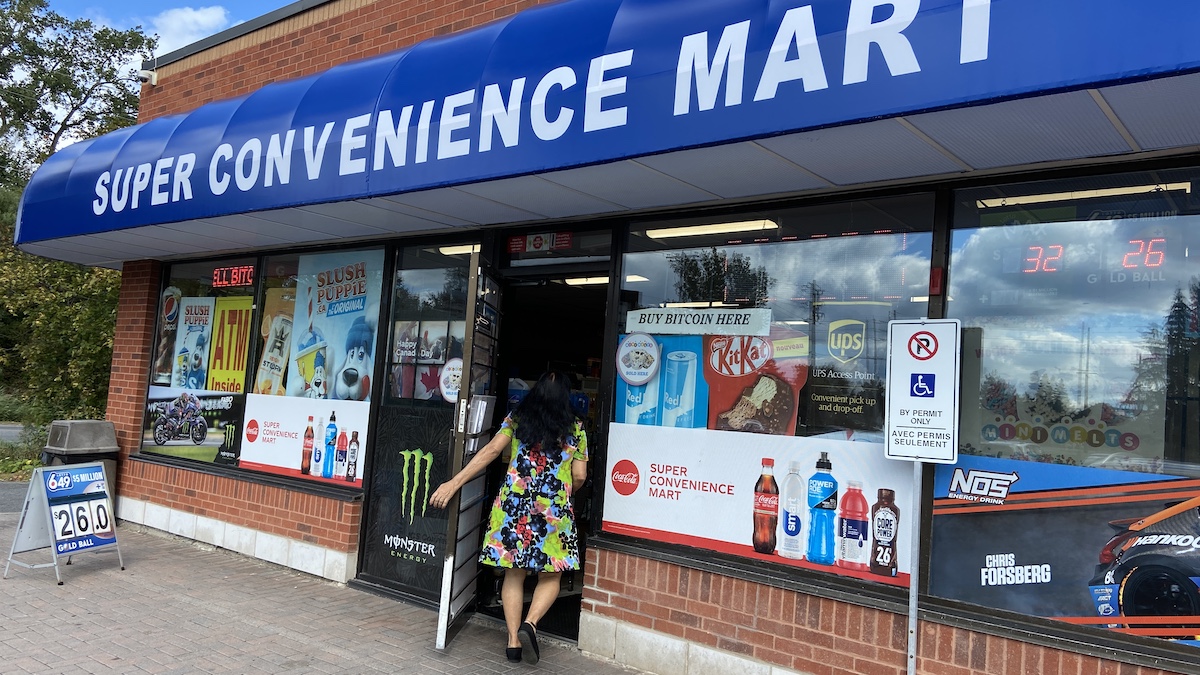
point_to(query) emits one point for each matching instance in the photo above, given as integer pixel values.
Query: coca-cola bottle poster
(697, 487)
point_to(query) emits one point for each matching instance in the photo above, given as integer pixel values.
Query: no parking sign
(923, 370)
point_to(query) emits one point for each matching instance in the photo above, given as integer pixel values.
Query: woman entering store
(532, 522)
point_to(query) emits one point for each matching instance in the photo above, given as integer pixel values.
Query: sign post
(67, 508)
(921, 420)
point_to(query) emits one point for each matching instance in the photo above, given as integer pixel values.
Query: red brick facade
(786, 628)
(804, 632)
(307, 43)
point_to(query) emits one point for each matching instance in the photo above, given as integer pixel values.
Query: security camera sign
(923, 373)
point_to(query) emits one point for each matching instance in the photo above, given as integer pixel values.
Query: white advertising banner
(832, 504)
(273, 437)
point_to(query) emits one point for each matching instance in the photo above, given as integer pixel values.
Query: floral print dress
(532, 524)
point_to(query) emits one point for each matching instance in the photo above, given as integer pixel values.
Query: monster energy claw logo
(413, 460)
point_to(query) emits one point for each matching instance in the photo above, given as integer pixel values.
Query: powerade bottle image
(327, 455)
(822, 505)
(853, 553)
(792, 505)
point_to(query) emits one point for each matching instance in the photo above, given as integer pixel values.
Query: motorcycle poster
(192, 424)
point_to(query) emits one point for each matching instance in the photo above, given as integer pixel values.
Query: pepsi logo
(625, 477)
(170, 308)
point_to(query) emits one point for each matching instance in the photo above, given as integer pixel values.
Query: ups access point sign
(923, 372)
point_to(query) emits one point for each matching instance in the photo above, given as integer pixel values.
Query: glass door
(476, 404)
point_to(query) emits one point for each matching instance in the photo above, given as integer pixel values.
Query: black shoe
(528, 635)
(513, 654)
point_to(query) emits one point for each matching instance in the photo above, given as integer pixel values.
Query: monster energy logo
(413, 459)
(230, 435)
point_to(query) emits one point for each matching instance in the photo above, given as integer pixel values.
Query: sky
(177, 23)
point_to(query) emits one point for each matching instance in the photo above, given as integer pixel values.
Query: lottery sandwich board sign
(67, 509)
(923, 371)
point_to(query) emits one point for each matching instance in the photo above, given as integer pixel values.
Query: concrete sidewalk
(181, 607)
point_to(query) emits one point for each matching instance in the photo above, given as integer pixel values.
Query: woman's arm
(478, 463)
(579, 471)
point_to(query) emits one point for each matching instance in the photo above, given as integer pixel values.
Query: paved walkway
(182, 607)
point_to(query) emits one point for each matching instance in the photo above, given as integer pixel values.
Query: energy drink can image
(679, 390)
(641, 403)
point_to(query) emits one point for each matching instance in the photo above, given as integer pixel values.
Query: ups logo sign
(846, 339)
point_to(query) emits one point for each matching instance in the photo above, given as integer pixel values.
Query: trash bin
(83, 441)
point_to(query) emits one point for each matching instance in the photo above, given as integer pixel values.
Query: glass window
(1080, 428)
(319, 328)
(751, 378)
(203, 346)
(429, 311)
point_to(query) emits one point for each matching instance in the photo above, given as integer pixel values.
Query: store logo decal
(738, 355)
(987, 487)
(415, 479)
(846, 339)
(625, 477)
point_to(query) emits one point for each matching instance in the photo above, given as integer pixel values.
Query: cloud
(181, 26)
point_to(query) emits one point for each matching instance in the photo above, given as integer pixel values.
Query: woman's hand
(442, 496)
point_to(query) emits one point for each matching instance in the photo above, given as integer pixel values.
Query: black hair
(545, 415)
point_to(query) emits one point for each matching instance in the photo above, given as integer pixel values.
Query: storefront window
(197, 390)
(306, 412)
(1075, 495)
(308, 415)
(750, 398)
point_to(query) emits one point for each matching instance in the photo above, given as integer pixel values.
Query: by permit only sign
(923, 373)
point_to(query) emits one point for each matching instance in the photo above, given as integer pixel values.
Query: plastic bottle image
(792, 507)
(766, 508)
(822, 505)
(318, 451)
(885, 525)
(339, 458)
(330, 446)
(352, 457)
(853, 548)
(306, 452)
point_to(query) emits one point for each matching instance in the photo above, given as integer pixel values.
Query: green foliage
(61, 80)
(19, 459)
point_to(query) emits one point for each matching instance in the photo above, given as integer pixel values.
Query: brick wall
(804, 632)
(310, 42)
(322, 521)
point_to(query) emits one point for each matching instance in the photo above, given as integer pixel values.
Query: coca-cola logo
(252, 430)
(625, 477)
(737, 355)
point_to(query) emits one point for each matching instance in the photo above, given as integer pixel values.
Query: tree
(719, 277)
(61, 80)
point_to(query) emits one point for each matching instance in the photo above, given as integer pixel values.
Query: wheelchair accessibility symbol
(921, 384)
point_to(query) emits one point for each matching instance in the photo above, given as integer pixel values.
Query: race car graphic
(1151, 568)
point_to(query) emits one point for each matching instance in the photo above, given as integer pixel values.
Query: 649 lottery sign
(67, 508)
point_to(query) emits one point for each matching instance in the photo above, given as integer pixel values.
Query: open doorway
(547, 324)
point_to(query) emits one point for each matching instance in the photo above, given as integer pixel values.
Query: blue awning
(594, 107)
